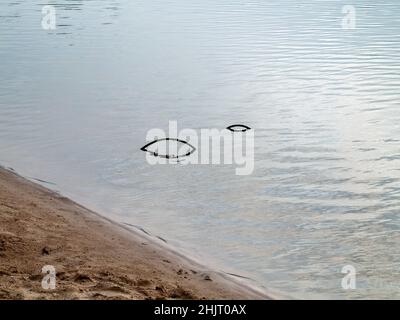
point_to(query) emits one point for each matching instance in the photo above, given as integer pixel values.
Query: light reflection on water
(77, 102)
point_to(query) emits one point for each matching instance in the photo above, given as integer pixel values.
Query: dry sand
(94, 257)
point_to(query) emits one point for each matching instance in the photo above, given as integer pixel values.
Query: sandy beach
(94, 258)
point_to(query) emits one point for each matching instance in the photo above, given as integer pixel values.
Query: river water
(321, 94)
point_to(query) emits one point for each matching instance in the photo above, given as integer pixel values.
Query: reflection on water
(76, 103)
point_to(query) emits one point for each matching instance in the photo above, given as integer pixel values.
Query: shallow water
(76, 104)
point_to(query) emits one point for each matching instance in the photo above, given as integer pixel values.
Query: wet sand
(94, 258)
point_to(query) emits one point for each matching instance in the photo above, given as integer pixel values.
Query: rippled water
(76, 104)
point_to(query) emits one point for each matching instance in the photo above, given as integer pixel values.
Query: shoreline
(94, 257)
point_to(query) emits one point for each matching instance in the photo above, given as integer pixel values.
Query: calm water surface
(76, 104)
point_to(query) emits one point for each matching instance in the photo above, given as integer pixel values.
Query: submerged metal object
(167, 155)
(238, 128)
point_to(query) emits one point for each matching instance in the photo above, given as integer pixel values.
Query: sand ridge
(93, 257)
